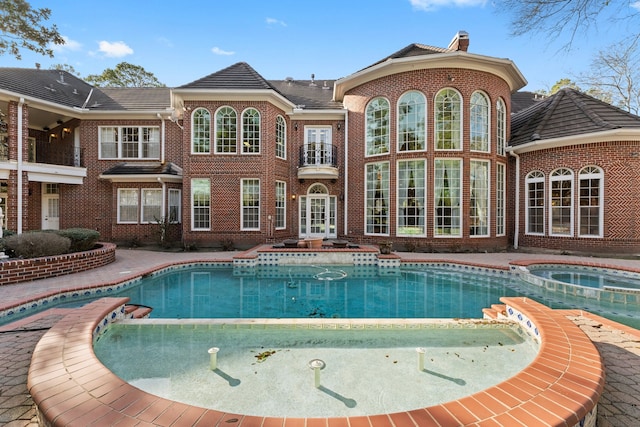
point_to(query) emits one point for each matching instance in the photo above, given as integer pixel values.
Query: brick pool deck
(618, 345)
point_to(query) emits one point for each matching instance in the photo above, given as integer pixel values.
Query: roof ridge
(578, 99)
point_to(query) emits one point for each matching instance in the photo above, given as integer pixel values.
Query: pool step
(497, 311)
(134, 311)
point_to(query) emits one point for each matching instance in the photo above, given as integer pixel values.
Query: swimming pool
(602, 279)
(261, 369)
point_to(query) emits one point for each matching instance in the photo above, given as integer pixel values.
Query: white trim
(614, 135)
(559, 178)
(137, 191)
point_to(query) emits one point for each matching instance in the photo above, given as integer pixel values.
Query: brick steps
(497, 311)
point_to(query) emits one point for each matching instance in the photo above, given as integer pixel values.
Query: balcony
(60, 156)
(318, 161)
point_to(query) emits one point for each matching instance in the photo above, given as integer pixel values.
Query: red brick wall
(26, 270)
(621, 166)
(429, 82)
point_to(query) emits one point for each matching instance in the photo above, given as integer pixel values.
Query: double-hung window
(534, 217)
(175, 206)
(151, 205)
(250, 204)
(128, 142)
(281, 205)
(127, 205)
(411, 198)
(590, 201)
(200, 204)
(501, 127)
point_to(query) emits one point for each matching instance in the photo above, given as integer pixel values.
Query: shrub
(82, 239)
(37, 244)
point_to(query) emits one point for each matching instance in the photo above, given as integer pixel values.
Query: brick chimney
(460, 41)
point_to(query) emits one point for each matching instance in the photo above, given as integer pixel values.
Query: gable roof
(237, 76)
(567, 113)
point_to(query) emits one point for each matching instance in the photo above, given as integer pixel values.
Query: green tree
(65, 67)
(21, 28)
(124, 75)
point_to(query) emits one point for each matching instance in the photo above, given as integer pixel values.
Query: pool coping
(561, 387)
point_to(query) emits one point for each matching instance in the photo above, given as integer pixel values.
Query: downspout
(345, 203)
(162, 139)
(517, 201)
(20, 166)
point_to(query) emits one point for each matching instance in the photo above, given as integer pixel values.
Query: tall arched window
(377, 127)
(448, 120)
(281, 138)
(411, 122)
(501, 126)
(534, 216)
(226, 130)
(201, 131)
(590, 201)
(561, 205)
(479, 122)
(251, 131)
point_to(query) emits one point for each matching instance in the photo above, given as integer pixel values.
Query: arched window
(226, 130)
(534, 216)
(479, 122)
(377, 127)
(590, 201)
(448, 120)
(201, 131)
(561, 204)
(281, 138)
(251, 131)
(501, 126)
(411, 122)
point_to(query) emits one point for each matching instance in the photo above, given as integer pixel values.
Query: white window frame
(487, 197)
(280, 221)
(201, 131)
(372, 147)
(501, 127)
(119, 142)
(591, 172)
(174, 204)
(231, 141)
(135, 193)
(501, 194)
(420, 183)
(251, 131)
(144, 207)
(459, 120)
(382, 174)
(281, 138)
(245, 211)
(535, 177)
(480, 122)
(460, 199)
(205, 182)
(564, 175)
(417, 100)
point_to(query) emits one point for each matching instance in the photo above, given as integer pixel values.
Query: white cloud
(219, 51)
(114, 49)
(635, 5)
(430, 5)
(69, 45)
(273, 21)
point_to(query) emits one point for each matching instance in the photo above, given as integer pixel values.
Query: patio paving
(619, 346)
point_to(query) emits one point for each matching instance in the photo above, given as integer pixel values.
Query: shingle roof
(414, 49)
(523, 99)
(55, 86)
(237, 76)
(312, 94)
(566, 113)
(138, 98)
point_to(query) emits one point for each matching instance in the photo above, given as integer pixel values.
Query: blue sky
(182, 41)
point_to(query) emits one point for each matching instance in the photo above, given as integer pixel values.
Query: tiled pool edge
(561, 387)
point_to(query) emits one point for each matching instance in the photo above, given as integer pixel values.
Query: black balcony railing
(61, 156)
(318, 155)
